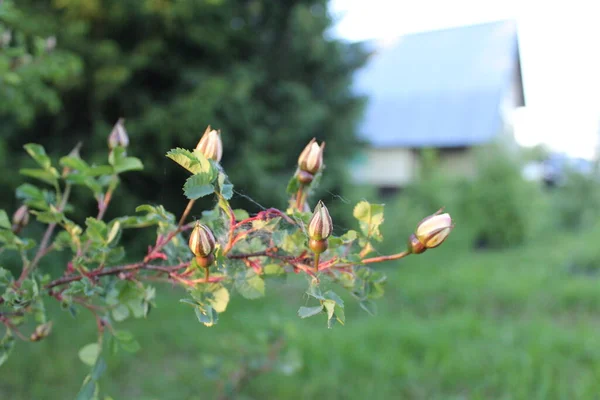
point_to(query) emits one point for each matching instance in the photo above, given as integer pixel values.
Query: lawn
(515, 324)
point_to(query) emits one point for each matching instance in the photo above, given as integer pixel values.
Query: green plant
(228, 250)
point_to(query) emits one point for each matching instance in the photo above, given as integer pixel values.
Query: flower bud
(20, 218)
(210, 144)
(311, 158)
(41, 331)
(202, 241)
(118, 136)
(320, 225)
(433, 230)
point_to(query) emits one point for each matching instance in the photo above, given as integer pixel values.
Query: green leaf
(369, 306)
(96, 229)
(370, 217)
(128, 164)
(305, 312)
(49, 217)
(89, 353)
(122, 163)
(219, 299)
(38, 153)
(330, 308)
(48, 176)
(5, 277)
(240, 214)
(250, 285)
(98, 170)
(194, 163)
(33, 196)
(4, 220)
(330, 295)
(207, 315)
(75, 164)
(6, 345)
(127, 341)
(197, 186)
(225, 187)
(120, 312)
(98, 369)
(293, 185)
(88, 390)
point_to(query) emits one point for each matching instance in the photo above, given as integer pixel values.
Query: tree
(264, 72)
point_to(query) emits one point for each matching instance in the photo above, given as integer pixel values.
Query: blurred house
(451, 89)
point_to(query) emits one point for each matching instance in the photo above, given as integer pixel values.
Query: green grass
(491, 325)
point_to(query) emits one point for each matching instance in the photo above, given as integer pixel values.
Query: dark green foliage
(262, 71)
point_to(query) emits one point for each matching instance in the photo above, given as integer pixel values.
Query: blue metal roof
(442, 88)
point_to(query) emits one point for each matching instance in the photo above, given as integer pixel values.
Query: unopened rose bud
(319, 228)
(20, 218)
(210, 144)
(118, 136)
(41, 331)
(202, 241)
(311, 158)
(431, 232)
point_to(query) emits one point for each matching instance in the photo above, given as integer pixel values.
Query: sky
(559, 43)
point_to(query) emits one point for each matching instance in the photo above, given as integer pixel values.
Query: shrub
(227, 250)
(501, 208)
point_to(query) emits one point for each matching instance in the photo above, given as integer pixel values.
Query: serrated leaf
(197, 186)
(29, 192)
(38, 153)
(330, 308)
(96, 229)
(4, 220)
(128, 164)
(75, 163)
(190, 161)
(48, 176)
(219, 299)
(249, 285)
(120, 312)
(370, 217)
(305, 312)
(89, 353)
(330, 295)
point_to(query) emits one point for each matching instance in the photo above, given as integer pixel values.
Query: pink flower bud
(210, 144)
(311, 158)
(41, 331)
(320, 225)
(202, 241)
(118, 136)
(20, 218)
(433, 230)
